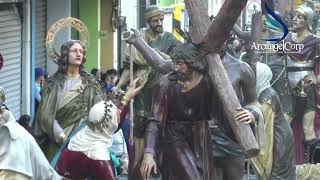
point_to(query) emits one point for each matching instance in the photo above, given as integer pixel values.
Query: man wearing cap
(39, 80)
(303, 73)
(162, 42)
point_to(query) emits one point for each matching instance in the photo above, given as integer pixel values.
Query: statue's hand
(130, 36)
(133, 89)
(309, 80)
(61, 138)
(148, 164)
(245, 116)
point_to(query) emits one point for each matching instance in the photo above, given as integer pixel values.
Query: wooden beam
(213, 35)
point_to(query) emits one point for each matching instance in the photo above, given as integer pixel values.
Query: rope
(284, 68)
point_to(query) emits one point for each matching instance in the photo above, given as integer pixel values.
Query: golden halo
(63, 23)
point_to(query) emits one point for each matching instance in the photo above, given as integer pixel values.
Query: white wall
(214, 7)
(168, 19)
(56, 10)
(129, 9)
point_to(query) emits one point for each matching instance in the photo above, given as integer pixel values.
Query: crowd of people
(178, 127)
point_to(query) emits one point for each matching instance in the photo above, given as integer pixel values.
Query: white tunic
(95, 144)
(19, 152)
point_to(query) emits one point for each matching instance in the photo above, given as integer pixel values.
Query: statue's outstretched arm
(245, 35)
(150, 55)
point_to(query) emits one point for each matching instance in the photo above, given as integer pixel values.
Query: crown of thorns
(103, 122)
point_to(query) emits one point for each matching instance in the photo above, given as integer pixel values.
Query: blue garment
(37, 91)
(37, 96)
(107, 87)
(126, 130)
(115, 162)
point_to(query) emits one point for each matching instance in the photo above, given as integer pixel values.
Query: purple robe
(179, 126)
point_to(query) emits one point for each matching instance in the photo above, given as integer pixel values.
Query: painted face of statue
(236, 45)
(76, 54)
(182, 70)
(299, 22)
(156, 24)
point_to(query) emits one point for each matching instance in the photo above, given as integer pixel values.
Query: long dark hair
(191, 55)
(63, 60)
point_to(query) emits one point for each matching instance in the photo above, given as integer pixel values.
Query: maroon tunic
(76, 165)
(179, 126)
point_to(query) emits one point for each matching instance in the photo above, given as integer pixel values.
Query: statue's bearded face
(182, 70)
(299, 22)
(156, 23)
